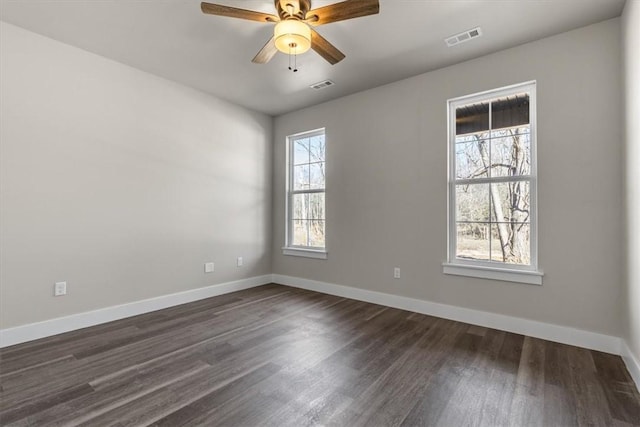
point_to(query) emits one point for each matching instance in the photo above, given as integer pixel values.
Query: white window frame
(529, 274)
(289, 249)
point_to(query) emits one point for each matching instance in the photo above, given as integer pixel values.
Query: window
(492, 185)
(306, 221)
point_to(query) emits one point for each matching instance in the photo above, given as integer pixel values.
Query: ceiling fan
(293, 33)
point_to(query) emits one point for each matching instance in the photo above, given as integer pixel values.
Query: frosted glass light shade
(292, 36)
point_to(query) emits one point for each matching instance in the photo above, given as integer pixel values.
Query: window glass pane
(316, 206)
(511, 152)
(510, 111)
(300, 206)
(511, 243)
(300, 231)
(301, 151)
(316, 148)
(510, 201)
(301, 177)
(316, 172)
(473, 241)
(316, 234)
(472, 154)
(472, 118)
(472, 202)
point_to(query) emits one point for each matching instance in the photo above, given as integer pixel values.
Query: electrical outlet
(209, 267)
(60, 289)
(396, 273)
(240, 261)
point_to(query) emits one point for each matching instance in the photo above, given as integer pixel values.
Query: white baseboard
(33, 331)
(633, 365)
(532, 328)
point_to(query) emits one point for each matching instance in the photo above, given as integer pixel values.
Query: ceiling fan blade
(234, 12)
(266, 53)
(325, 49)
(340, 11)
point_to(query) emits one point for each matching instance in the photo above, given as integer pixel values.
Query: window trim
(486, 269)
(304, 252)
(288, 248)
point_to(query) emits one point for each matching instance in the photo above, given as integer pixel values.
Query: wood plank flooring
(280, 356)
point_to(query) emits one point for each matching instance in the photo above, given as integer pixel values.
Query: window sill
(519, 276)
(306, 253)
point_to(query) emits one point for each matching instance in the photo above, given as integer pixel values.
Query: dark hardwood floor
(279, 356)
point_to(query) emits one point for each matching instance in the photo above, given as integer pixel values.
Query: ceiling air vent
(322, 84)
(463, 37)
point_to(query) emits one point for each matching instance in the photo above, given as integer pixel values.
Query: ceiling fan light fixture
(292, 36)
(294, 31)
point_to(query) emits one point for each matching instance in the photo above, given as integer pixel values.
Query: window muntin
(492, 180)
(306, 221)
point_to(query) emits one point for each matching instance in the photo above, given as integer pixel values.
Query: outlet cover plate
(60, 289)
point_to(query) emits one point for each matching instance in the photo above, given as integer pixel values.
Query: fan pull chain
(295, 60)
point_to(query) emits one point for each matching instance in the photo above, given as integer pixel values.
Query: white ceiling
(175, 40)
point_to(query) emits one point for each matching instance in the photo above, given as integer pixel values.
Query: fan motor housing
(300, 8)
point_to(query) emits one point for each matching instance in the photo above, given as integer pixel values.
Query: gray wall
(121, 183)
(387, 183)
(631, 38)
